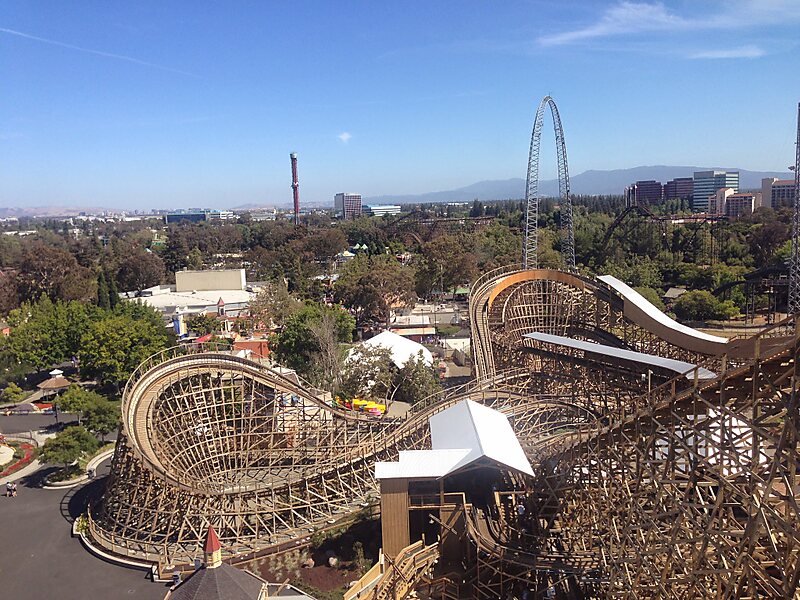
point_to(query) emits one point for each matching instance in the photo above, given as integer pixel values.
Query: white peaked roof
(460, 435)
(402, 349)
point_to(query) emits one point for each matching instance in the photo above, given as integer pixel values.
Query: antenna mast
(295, 188)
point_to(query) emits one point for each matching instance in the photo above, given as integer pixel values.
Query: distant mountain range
(588, 183)
(46, 212)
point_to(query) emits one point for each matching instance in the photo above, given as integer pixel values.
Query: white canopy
(402, 349)
(460, 435)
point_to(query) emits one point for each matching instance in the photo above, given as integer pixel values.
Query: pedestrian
(9, 487)
(13, 490)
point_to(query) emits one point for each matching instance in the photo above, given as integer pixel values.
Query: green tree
(372, 286)
(68, 446)
(329, 332)
(727, 310)
(447, 262)
(765, 240)
(498, 245)
(140, 269)
(9, 292)
(700, 305)
(415, 381)
(113, 293)
(46, 270)
(102, 417)
(202, 323)
(12, 393)
(273, 305)
(112, 348)
(297, 346)
(77, 400)
(194, 260)
(47, 333)
(637, 271)
(103, 300)
(371, 372)
(368, 371)
(652, 296)
(477, 209)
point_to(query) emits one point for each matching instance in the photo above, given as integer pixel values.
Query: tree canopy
(370, 372)
(371, 286)
(297, 345)
(113, 347)
(68, 446)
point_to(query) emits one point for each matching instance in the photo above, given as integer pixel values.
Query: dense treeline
(94, 261)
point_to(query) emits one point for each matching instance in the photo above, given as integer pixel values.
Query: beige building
(203, 281)
(777, 192)
(733, 205)
(716, 201)
(223, 292)
(744, 203)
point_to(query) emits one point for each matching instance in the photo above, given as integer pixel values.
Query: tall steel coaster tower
(529, 251)
(794, 266)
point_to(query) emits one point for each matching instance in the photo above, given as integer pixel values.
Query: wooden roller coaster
(645, 484)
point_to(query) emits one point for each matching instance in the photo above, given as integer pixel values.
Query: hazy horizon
(147, 105)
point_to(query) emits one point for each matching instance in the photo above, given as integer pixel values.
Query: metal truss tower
(529, 251)
(794, 265)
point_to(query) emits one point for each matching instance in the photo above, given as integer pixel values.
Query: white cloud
(344, 137)
(748, 51)
(624, 17)
(130, 59)
(627, 17)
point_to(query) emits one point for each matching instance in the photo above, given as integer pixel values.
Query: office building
(347, 205)
(379, 210)
(680, 188)
(717, 201)
(706, 184)
(644, 193)
(191, 217)
(741, 204)
(196, 215)
(777, 192)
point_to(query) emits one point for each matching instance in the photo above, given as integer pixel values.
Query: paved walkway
(6, 454)
(25, 471)
(42, 560)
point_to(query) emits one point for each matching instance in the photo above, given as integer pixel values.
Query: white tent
(402, 349)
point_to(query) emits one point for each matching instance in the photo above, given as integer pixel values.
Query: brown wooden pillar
(394, 516)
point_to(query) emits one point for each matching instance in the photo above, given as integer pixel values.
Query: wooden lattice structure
(208, 437)
(507, 303)
(685, 490)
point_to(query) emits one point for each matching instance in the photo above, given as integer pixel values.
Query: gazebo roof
(57, 382)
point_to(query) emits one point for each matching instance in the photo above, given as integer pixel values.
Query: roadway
(42, 560)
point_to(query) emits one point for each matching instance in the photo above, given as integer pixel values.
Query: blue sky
(164, 104)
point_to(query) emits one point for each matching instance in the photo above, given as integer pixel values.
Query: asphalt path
(40, 559)
(13, 424)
